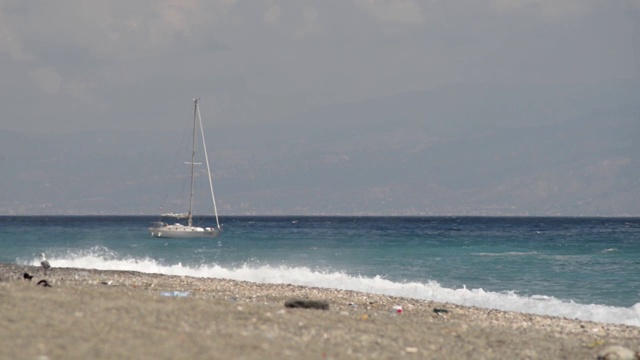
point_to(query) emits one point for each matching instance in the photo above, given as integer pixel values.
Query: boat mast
(206, 158)
(193, 162)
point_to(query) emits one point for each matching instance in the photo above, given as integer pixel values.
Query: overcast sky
(84, 65)
(390, 106)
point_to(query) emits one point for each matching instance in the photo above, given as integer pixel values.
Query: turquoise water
(586, 268)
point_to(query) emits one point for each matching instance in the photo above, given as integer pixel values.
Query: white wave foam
(508, 253)
(432, 290)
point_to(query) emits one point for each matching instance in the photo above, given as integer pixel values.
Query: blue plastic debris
(175, 293)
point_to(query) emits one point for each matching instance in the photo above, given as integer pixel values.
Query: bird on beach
(45, 264)
(26, 276)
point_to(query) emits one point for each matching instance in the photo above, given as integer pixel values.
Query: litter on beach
(175, 293)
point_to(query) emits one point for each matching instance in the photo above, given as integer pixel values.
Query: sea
(579, 268)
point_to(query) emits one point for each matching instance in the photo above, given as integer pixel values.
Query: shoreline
(107, 314)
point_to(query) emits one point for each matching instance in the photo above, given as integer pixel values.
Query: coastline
(124, 314)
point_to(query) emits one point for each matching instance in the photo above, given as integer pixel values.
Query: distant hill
(452, 151)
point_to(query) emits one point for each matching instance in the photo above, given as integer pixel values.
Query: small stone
(617, 352)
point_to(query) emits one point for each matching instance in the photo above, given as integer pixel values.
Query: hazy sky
(324, 107)
(76, 65)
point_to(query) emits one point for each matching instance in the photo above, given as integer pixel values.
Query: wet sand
(91, 314)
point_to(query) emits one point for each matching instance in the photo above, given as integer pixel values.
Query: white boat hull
(182, 231)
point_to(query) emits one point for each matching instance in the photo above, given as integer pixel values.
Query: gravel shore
(92, 314)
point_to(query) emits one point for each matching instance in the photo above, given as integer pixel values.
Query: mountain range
(459, 150)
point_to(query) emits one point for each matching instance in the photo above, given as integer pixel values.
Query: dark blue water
(575, 267)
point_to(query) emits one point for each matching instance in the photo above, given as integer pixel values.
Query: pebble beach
(100, 314)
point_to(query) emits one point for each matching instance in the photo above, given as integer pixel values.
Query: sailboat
(162, 229)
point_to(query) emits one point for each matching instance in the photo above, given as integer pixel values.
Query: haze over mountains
(474, 152)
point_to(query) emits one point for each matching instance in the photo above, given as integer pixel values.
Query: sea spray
(303, 276)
